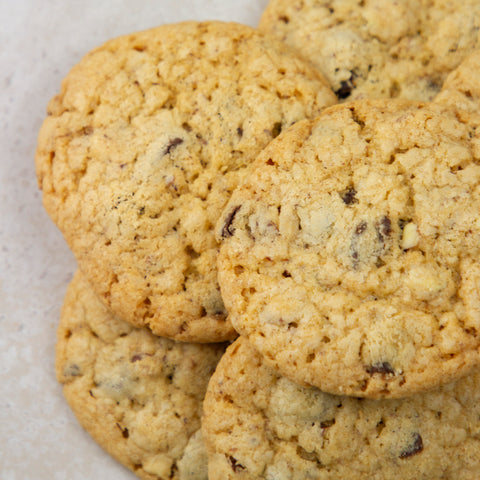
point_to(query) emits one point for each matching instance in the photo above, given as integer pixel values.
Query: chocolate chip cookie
(378, 48)
(350, 254)
(259, 425)
(138, 395)
(140, 151)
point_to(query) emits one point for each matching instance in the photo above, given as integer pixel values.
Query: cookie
(259, 425)
(350, 254)
(141, 149)
(461, 90)
(139, 396)
(378, 48)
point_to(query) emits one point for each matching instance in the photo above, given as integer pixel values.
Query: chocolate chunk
(172, 144)
(361, 227)
(383, 368)
(414, 448)
(348, 196)
(436, 85)
(276, 129)
(327, 423)
(384, 228)
(87, 130)
(227, 230)
(236, 467)
(379, 262)
(139, 356)
(124, 431)
(72, 371)
(309, 456)
(346, 87)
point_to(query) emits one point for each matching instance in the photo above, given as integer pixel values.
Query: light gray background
(40, 40)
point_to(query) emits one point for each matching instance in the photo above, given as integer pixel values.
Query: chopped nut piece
(410, 236)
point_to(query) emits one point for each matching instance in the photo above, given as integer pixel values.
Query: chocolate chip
(227, 230)
(346, 87)
(414, 448)
(87, 130)
(72, 371)
(361, 227)
(276, 129)
(124, 431)
(436, 84)
(348, 196)
(236, 467)
(384, 229)
(379, 262)
(172, 144)
(327, 423)
(309, 456)
(139, 356)
(383, 368)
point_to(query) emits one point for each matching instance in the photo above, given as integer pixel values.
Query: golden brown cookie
(350, 254)
(139, 396)
(461, 90)
(259, 425)
(141, 149)
(378, 48)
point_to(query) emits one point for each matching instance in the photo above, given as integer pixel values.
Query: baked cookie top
(141, 149)
(139, 396)
(259, 425)
(378, 48)
(350, 254)
(461, 90)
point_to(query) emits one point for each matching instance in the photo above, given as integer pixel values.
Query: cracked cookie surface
(139, 396)
(141, 149)
(349, 255)
(260, 425)
(378, 48)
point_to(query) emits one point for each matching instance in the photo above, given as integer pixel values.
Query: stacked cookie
(139, 154)
(209, 187)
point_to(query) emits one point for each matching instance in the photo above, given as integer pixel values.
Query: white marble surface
(40, 40)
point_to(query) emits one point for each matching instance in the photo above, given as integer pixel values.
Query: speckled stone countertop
(40, 40)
